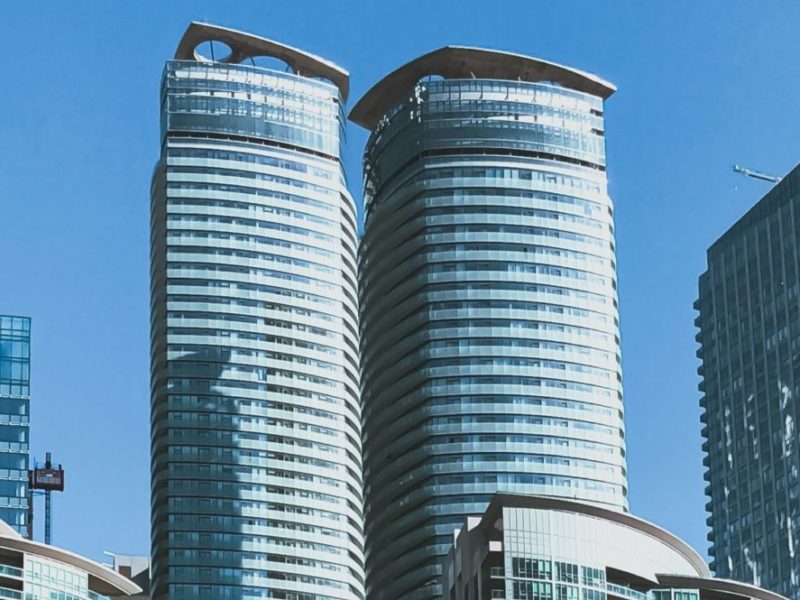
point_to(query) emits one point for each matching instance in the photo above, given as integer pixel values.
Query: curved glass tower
(489, 324)
(256, 468)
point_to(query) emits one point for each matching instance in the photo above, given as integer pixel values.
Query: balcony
(13, 594)
(9, 571)
(623, 592)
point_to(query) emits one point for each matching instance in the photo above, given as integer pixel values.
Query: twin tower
(327, 411)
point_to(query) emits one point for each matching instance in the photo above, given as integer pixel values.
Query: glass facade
(33, 571)
(50, 580)
(15, 360)
(256, 456)
(532, 548)
(490, 335)
(749, 336)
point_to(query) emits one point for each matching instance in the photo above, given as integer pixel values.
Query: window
(531, 568)
(566, 572)
(533, 590)
(594, 577)
(566, 592)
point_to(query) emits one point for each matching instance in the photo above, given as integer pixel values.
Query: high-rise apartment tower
(489, 323)
(256, 451)
(15, 361)
(749, 323)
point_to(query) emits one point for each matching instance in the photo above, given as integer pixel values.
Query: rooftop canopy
(102, 580)
(461, 62)
(554, 503)
(720, 589)
(245, 45)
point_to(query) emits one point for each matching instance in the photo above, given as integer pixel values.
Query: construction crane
(756, 174)
(44, 479)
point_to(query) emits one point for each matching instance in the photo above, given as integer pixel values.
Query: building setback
(489, 322)
(749, 336)
(256, 468)
(544, 548)
(15, 360)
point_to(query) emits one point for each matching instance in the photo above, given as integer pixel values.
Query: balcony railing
(13, 594)
(11, 571)
(625, 592)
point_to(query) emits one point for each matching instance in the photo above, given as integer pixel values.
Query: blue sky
(702, 85)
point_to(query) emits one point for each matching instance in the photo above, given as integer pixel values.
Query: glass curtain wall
(256, 470)
(490, 334)
(15, 360)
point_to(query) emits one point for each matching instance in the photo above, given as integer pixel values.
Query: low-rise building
(135, 568)
(545, 548)
(33, 571)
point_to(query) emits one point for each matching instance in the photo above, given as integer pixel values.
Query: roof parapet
(102, 579)
(245, 45)
(463, 62)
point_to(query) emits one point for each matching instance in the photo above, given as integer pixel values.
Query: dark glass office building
(489, 322)
(256, 450)
(15, 361)
(749, 323)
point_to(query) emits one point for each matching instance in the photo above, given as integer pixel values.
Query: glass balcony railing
(11, 571)
(624, 592)
(13, 594)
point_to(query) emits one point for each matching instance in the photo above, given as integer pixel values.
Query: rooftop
(501, 500)
(777, 196)
(718, 588)
(246, 45)
(102, 580)
(463, 62)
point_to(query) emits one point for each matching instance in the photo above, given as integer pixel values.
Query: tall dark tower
(749, 323)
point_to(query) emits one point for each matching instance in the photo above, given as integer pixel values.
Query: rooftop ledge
(502, 500)
(462, 62)
(102, 580)
(245, 45)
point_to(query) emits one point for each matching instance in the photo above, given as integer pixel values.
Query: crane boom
(756, 174)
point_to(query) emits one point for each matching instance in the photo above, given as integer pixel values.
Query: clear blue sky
(701, 85)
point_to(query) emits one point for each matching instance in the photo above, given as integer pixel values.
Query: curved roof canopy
(500, 500)
(6, 531)
(719, 587)
(245, 45)
(102, 580)
(462, 62)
